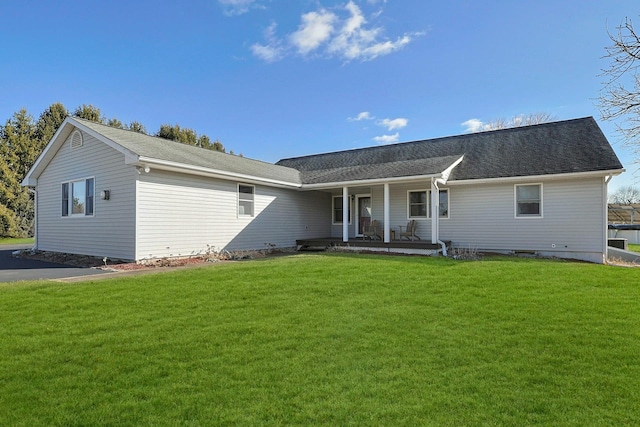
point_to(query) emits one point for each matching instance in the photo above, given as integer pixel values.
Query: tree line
(22, 139)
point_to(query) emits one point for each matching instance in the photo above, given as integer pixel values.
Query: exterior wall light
(105, 194)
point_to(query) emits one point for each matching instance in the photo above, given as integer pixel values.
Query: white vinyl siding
(484, 217)
(110, 231)
(182, 215)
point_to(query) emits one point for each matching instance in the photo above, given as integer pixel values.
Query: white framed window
(246, 194)
(78, 198)
(443, 205)
(528, 200)
(338, 210)
(419, 204)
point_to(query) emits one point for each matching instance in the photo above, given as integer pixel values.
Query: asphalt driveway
(15, 269)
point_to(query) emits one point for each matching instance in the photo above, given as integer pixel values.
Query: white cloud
(392, 124)
(315, 29)
(365, 115)
(273, 50)
(474, 125)
(237, 7)
(334, 36)
(387, 139)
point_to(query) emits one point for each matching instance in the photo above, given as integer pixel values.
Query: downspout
(35, 218)
(435, 216)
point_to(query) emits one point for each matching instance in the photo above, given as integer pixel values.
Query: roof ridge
(176, 143)
(440, 138)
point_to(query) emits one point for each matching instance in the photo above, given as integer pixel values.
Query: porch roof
(396, 169)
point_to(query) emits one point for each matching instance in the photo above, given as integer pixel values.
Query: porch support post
(387, 220)
(435, 212)
(345, 214)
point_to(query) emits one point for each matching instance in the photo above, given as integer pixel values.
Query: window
(78, 197)
(245, 200)
(528, 200)
(443, 208)
(420, 204)
(338, 211)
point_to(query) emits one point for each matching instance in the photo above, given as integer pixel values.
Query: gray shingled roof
(552, 148)
(166, 150)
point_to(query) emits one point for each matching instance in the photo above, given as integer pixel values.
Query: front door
(363, 213)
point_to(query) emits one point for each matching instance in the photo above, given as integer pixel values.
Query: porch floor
(399, 246)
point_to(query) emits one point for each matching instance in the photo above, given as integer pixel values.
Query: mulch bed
(85, 261)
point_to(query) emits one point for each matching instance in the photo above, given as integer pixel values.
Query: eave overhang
(208, 172)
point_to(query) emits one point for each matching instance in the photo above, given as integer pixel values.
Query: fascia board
(213, 173)
(375, 181)
(551, 177)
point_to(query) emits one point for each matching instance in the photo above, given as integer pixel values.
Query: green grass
(15, 241)
(634, 248)
(328, 339)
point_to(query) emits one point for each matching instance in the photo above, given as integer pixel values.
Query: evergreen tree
(188, 136)
(137, 127)
(49, 122)
(89, 112)
(18, 151)
(115, 123)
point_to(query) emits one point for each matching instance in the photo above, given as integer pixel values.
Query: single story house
(115, 193)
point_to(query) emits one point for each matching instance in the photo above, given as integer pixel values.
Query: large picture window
(419, 204)
(338, 210)
(246, 200)
(78, 197)
(528, 200)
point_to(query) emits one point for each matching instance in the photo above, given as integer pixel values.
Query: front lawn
(16, 241)
(328, 339)
(634, 248)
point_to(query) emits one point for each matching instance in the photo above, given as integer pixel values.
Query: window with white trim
(528, 200)
(246, 195)
(78, 197)
(338, 210)
(419, 204)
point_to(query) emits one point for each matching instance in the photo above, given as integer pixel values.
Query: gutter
(570, 175)
(213, 173)
(372, 181)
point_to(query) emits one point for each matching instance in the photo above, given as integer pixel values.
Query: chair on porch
(372, 230)
(410, 234)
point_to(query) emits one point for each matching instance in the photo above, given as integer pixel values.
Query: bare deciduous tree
(475, 125)
(625, 195)
(620, 94)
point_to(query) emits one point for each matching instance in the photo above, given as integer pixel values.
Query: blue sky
(274, 79)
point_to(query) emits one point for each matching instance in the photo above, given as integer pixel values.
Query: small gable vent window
(76, 139)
